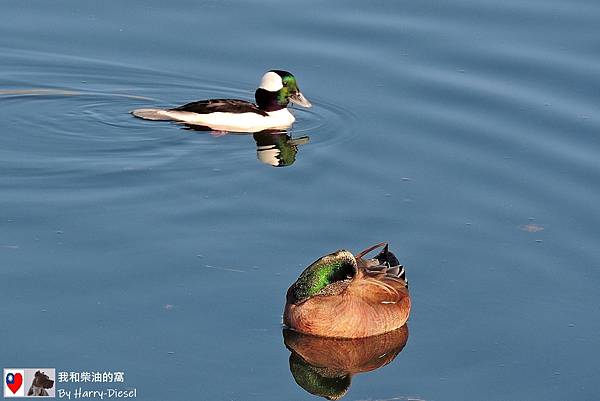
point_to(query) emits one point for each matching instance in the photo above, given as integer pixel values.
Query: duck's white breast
(238, 122)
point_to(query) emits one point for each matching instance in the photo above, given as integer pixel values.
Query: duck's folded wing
(221, 106)
(380, 288)
(385, 263)
(391, 272)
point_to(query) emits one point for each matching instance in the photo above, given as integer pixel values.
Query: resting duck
(346, 296)
(277, 89)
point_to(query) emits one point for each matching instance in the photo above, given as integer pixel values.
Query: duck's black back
(221, 106)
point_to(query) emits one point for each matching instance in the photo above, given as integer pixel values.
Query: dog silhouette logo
(40, 384)
(23, 382)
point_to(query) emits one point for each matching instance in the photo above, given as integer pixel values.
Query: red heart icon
(16, 384)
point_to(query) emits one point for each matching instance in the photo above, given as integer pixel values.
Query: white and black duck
(277, 89)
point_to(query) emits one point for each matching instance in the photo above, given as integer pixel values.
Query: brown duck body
(374, 300)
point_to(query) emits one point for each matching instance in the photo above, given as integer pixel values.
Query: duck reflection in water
(275, 148)
(325, 366)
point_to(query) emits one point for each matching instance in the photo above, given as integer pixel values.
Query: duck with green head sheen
(277, 89)
(349, 296)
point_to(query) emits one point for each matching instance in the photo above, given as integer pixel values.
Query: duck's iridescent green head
(314, 280)
(277, 89)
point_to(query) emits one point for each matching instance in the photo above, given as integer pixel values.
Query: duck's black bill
(299, 99)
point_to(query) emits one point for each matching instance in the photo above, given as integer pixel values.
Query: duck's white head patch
(271, 81)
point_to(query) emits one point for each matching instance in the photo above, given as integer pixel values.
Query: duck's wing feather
(391, 272)
(379, 300)
(221, 106)
(380, 283)
(384, 265)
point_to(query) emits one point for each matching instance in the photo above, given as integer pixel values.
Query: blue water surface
(465, 133)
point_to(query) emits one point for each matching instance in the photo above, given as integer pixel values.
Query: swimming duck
(346, 296)
(277, 89)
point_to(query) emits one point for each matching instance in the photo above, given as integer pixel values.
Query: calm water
(465, 133)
